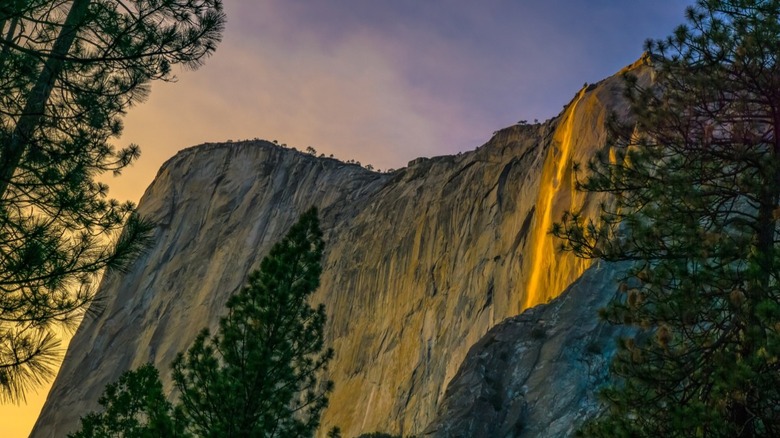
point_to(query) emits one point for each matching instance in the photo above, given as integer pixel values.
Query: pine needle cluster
(695, 184)
(260, 375)
(69, 70)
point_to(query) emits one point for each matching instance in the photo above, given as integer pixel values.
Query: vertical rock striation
(419, 264)
(536, 374)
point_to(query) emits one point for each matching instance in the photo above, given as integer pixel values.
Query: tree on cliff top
(259, 376)
(695, 183)
(68, 72)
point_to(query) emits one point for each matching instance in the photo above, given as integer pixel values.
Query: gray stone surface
(536, 374)
(419, 263)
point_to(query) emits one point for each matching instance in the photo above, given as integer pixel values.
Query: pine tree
(695, 183)
(261, 374)
(69, 70)
(134, 407)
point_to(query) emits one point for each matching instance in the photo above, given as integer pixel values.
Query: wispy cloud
(385, 82)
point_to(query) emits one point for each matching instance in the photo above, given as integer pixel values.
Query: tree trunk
(13, 152)
(765, 246)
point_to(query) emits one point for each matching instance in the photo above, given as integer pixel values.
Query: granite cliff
(420, 263)
(536, 374)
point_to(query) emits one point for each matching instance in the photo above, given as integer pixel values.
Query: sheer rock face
(419, 264)
(536, 374)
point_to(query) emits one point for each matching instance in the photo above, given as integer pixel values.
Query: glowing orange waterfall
(543, 249)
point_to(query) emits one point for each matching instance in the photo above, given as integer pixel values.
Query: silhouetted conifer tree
(69, 70)
(68, 73)
(261, 375)
(133, 407)
(695, 179)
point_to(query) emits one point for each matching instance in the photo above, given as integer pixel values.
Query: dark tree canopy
(695, 179)
(261, 375)
(69, 70)
(134, 406)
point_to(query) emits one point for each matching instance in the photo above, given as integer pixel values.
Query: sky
(386, 81)
(381, 82)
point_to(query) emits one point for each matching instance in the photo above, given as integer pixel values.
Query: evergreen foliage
(69, 70)
(134, 407)
(261, 374)
(695, 179)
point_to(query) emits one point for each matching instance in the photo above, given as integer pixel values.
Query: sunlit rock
(419, 264)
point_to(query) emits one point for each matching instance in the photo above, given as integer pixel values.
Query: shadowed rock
(536, 374)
